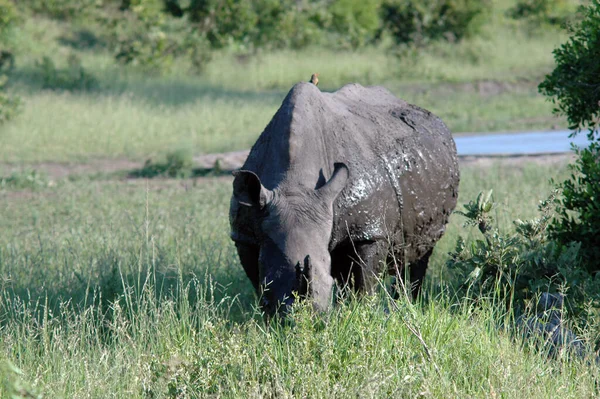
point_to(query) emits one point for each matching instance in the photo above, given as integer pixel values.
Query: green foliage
(516, 266)
(419, 22)
(478, 212)
(61, 9)
(578, 208)
(224, 21)
(10, 105)
(289, 24)
(574, 85)
(9, 18)
(29, 179)
(540, 12)
(145, 36)
(260, 23)
(357, 21)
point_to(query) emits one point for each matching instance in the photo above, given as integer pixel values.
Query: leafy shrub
(61, 9)
(74, 77)
(539, 12)
(356, 20)
(579, 207)
(224, 21)
(289, 24)
(260, 23)
(25, 179)
(517, 266)
(147, 37)
(417, 22)
(9, 18)
(10, 105)
(179, 162)
(574, 84)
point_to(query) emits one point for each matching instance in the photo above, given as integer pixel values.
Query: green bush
(539, 12)
(288, 24)
(418, 22)
(224, 21)
(74, 77)
(147, 37)
(356, 21)
(578, 218)
(30, 179)
(61, 9)
(9, 18)
(259, 23)
(574, 84)
(10, 105)
(517, 266)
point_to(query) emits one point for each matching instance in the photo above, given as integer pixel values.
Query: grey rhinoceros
(334, 186)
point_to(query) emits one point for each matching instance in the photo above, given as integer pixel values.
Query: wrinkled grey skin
(338, 186)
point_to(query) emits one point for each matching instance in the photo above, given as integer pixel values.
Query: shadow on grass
(83, 40)
(169, 91)
(109, 281)
(159, 172)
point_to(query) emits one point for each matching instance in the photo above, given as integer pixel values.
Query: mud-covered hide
(403, 170)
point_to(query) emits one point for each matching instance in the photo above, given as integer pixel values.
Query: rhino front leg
(249, 258)
(366, 263)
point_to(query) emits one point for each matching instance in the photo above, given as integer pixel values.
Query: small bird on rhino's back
(314, 79)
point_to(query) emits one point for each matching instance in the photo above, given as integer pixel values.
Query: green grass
(486, 83)
(133, 289)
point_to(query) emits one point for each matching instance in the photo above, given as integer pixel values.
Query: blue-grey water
(519, 143)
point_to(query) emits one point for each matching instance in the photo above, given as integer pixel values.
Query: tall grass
(170, 349)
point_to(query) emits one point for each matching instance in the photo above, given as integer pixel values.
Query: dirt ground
(234, 160)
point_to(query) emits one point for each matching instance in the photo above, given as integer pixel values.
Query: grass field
(133, 289)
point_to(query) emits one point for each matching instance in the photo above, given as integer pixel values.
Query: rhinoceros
(341, 187)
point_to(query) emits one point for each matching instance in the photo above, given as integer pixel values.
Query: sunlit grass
(184, 320)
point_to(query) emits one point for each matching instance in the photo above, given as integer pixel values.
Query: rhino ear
(248, 190)
(336, 184)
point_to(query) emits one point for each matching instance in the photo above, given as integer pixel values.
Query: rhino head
(292, 228)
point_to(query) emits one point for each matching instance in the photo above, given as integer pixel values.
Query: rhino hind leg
(249, 259)
(416, 275)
